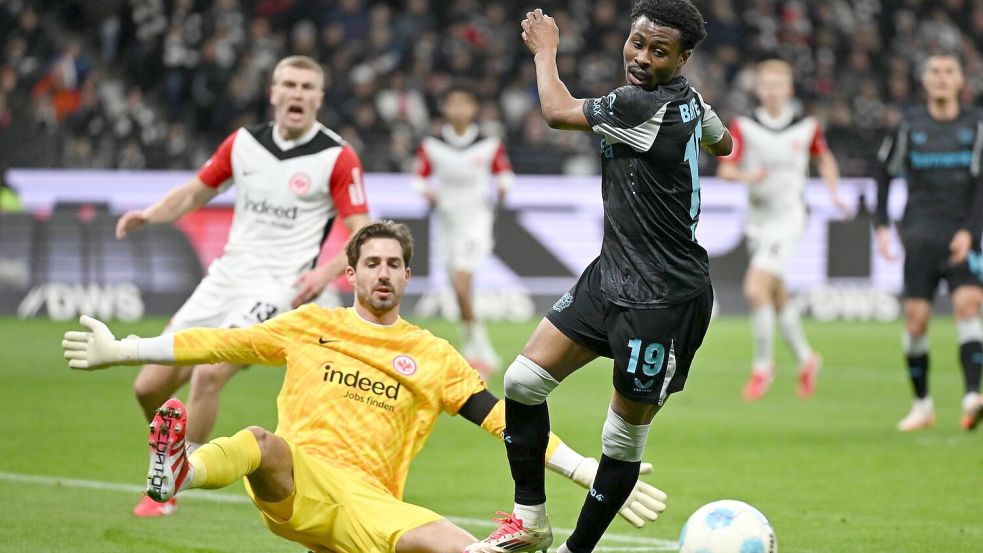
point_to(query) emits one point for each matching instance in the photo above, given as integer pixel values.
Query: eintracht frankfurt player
(292, 178)
(462, 161)
(362, 391)
(772, 150)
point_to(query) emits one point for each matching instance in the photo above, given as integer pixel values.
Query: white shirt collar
(455, 139)
(285, 144)
(779, 122)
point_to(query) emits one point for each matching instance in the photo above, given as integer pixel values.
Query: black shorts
(652, 348)
(927, 262)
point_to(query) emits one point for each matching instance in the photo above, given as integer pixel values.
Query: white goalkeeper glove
(643, 505)
(98, 349)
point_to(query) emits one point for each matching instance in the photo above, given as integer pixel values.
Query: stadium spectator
(855, 51)
(293, 177)
(332, 475)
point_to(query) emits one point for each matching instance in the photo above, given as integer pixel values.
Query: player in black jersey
(937, 148)
(645, 301)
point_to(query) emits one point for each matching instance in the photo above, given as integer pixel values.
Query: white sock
(532, 516)
(791, 325)
(563, 548)
(970, 400)
(763, 332)
(925, 404)
(467, 331)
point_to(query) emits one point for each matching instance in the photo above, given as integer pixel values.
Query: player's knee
(914, 344)
(622, 440)
(755, 294)
(148, 392)
(527, 382)
(969, 330)
(209, 378)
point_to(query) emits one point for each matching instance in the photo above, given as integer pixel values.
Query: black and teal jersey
(940, 161)
(650, 187)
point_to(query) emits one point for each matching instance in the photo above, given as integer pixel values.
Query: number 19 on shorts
(652, 356)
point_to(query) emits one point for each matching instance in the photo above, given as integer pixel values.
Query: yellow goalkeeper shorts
(334, 510)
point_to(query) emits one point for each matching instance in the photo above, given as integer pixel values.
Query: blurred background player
(293, 177)
(937, 148)
(461, 160)
(645, 302)
(326, 478)
(772, 150)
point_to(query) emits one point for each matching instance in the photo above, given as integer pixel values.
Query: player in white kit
(292, 178)
(772, 150)
(462, 160)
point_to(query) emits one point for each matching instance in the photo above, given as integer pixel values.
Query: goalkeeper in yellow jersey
(362, 391)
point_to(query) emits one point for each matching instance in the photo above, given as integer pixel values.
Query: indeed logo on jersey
(358, 382)
(264, 207)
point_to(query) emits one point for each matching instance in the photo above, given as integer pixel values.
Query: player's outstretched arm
(99, 348)
(643, 505)
(262, 343)
(183, 199)
(560, 108)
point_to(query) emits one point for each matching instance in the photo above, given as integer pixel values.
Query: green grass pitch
(831, 473)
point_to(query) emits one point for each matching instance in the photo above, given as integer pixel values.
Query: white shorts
(770, 244)
(465, 239)
(223, 302)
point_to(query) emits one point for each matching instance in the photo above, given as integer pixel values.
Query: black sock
(613, 484)
(918, 371)
(971, 356)
(527, 433)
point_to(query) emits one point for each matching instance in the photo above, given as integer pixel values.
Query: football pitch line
(611, 543)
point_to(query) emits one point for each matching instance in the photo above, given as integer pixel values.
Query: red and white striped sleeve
(218, 168)
(500, 161)
(346, 184)
(737, 153)
(818, 145)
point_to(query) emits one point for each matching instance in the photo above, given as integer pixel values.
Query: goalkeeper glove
(643, 505)
(98, 349)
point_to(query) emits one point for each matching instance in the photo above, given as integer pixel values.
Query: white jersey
(781, 146)
(288, 192)
(462, 166)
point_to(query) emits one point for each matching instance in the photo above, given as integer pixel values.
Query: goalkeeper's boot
(147, 508)
(757, 386)
(921, 416)
(808, 373)
(168, 454)
(972, 411)
(513, 537)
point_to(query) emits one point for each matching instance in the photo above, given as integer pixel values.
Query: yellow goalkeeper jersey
(360, 395)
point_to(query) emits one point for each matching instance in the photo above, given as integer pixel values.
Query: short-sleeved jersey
(650, 187)
(287, 195)
(362, 396)
(940, 161)
(462, 166)
(781, 146)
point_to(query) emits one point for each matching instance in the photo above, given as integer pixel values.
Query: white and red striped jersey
(781, 146)
(288, 192)
(462, 165)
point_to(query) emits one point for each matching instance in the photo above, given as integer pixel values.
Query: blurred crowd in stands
(135, 84)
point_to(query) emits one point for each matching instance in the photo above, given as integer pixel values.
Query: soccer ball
(727, 526)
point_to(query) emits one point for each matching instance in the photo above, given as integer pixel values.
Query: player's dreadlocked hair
(678, 14)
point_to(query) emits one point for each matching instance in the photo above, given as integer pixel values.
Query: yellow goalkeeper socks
(222, 461)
